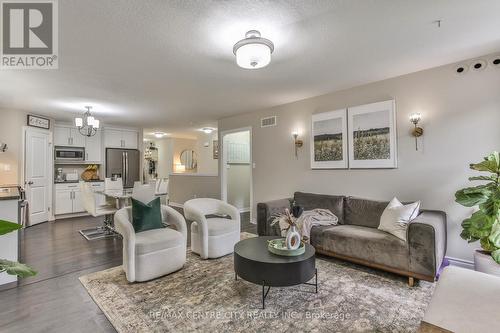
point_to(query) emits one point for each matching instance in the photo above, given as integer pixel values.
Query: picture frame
(329, 140)
(372, 136)
(37, 121)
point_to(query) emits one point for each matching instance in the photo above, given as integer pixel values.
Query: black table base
(265, 292)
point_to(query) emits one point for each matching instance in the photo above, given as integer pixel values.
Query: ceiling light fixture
(87, 125)
(159, 135)
(253, 52)
(207, 130)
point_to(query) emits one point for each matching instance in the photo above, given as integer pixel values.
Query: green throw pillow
(146, 216)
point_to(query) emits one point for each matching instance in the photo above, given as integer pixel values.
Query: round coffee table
(254, 263)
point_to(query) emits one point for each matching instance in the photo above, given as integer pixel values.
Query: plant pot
(483, 262)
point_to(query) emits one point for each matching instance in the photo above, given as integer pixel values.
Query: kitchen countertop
(77, 181)
(9, 193)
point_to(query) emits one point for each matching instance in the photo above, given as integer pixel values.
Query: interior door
(37, 174)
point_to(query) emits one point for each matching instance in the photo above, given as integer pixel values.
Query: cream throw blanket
(309, 219)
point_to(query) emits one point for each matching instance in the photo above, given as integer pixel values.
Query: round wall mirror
(188, 159)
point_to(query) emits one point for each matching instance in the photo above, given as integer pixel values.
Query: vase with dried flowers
(293, 237)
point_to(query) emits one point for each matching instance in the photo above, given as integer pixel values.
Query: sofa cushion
(363, 212)
(156, 240)
(369, 244)
(309, 201)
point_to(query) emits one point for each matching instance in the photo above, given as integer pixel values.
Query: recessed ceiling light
(159, 135)
(253, 52)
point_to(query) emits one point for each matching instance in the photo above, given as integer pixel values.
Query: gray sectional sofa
(357, 239)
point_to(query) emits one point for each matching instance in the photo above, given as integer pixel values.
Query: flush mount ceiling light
(207, 130)
(159, 135)
(253, 52)
(87, 125)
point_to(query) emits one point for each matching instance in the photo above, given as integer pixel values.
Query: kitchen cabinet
(93, 148)
(68, 136)
(120, 138)
(64, 202)
(68, 199)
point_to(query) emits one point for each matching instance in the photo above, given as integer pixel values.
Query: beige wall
(206, 162)
(179, 145)
(11, 124)
(190, 186)
(461, 116)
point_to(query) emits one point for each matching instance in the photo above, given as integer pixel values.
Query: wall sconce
(417, 131)
(3, 147)
(297, 142)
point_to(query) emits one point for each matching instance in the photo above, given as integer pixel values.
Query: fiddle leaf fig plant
(484, 224)
(13, 267)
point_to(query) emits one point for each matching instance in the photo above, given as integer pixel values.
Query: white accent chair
(152, 253)
(212, 237)
(89, 201)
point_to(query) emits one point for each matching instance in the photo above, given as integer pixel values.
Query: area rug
(204, 296)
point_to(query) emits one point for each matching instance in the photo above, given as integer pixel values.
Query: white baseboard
(461, 263)
(175, 204)
(244, 210)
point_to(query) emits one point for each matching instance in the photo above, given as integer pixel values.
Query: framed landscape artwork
(329, 140)
(372, 136)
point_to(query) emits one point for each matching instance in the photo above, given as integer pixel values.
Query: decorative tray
(278, 246)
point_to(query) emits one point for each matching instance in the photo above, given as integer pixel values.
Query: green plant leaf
(487, 245)
(6, 227)
(491, 163)
(496, 255)
(491, 178)
(16, 268)
(478, 226)
(494, 237)
(472, 196)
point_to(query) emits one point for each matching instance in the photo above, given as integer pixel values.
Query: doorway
(237, 169)
(37, 174)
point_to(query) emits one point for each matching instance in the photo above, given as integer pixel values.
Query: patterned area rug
(204, 296)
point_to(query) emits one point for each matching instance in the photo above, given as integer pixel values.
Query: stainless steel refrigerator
(124, 164)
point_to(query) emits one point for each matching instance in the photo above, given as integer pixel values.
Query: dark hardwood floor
(54, 300)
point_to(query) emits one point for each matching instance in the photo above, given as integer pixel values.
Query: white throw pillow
(396, 217)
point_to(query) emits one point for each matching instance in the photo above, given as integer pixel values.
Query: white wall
(461, 118)
(11, 125)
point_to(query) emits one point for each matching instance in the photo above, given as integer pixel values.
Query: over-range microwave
(69, 154)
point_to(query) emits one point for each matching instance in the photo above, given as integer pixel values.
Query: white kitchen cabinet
(93, 148)
(65, 135)
(130, 139)
(68, 198)
(77, 139)
(77, 202)
(64, 202)
(62, 136)
(112, 138)
(120, 138)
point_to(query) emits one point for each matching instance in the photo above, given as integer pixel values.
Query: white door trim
(223, 169)
(50, 164)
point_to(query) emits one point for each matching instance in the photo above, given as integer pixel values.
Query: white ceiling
(168, 65)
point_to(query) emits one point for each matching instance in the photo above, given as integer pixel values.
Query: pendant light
(87, 125)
